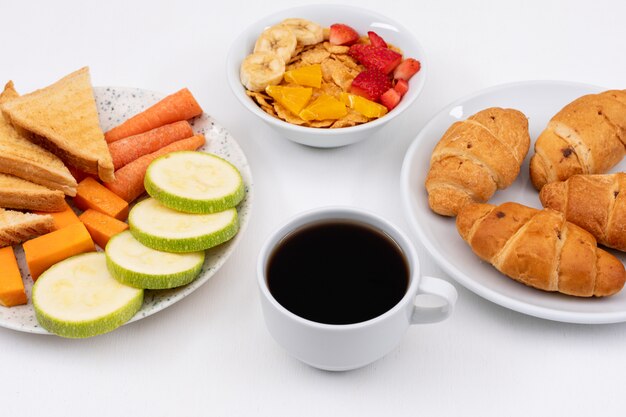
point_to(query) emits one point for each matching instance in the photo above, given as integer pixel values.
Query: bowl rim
(239, 90)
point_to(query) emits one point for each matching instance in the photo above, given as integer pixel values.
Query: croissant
(541, 249)
(475, 157)
(586, 137)
(593, 202)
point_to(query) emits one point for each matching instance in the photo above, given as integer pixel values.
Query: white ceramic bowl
(327, 14)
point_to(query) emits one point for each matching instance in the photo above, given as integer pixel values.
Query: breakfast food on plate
(17, 227)
(176, 107)
(476, 157)
(164, 229)
(194, 182)
(79, 298)
(91, 194)
(24, 159)
(295, 75)
(594, 202)
(139, 266)
(12, 291)
(588, 136)
(44, 251)
(129, 181)
(101, 227)
(79, 292)
(17, 193)
(540, 248)
(63, 118)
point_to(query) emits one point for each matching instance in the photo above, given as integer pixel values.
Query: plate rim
(200, 280)
(461, 278)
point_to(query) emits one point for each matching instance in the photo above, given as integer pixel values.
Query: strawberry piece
(408, 68)
(376, 40)
(341, 34)
(375, 57)
(370, 84)
(390, 98)
(402, 86)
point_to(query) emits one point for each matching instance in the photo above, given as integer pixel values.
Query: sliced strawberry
(408, 68)
(341, 34)
(375, 57)
(370, 84)
(376, 40)
(402, 86)
(390, 98)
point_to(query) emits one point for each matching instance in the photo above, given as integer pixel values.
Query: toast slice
(24, 159)
(17, 227)
(64, 119)
(17, 193)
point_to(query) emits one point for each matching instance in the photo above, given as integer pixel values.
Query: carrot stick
(173, 108)
(128, 149)
(128, 182)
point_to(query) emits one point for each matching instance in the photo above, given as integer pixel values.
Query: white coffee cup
(339, 347)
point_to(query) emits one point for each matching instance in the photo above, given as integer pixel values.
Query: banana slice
(307, 32)
(278, 39)
(261, 69)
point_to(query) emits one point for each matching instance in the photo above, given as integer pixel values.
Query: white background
(210, 354)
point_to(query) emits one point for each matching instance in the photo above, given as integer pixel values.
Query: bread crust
(539, 248)
(475, 157)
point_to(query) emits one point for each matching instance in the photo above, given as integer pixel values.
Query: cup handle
(439, 288)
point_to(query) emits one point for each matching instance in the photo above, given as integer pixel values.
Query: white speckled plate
(539, 101)
(116, 104)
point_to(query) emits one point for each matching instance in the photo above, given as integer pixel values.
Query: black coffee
(337, 272)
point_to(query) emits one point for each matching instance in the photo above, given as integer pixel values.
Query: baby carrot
(128, 182)
(173, 108)
(128, 149)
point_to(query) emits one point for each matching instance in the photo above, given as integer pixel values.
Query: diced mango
(62, 218)
(11, 285)
(44, 251)
(323, 108)
(309, 76)
(90, 194)
(292, 98)
(362, 105)
(101, 227)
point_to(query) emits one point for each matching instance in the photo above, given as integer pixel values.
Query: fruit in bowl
(311, 76)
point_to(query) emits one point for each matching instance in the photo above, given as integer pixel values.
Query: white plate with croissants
(515, 192)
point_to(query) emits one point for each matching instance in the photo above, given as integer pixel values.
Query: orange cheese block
(44, 251)
(62, 218)
(90, 194)
(11, 286)
(101, 227)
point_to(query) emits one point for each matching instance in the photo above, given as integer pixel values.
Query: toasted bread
(63, 118)
(17, 193)
(17, 227)
(24, 159)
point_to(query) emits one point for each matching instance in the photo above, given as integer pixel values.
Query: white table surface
(210, 354)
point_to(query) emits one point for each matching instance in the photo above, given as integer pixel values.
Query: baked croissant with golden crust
(588, 136)
(475, 157)
(597, 203)
(541, 249)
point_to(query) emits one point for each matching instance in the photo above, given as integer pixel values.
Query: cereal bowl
(327, 14)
